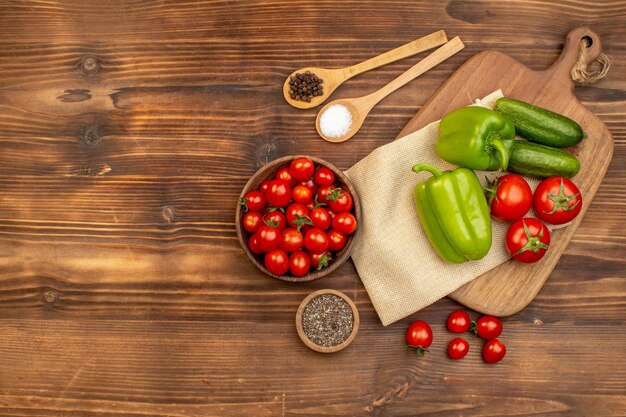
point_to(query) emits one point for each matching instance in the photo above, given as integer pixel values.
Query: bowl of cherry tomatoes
(297, 218)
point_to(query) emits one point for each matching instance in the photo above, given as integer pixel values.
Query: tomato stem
(418, 349)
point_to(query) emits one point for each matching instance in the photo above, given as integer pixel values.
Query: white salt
(336, 121)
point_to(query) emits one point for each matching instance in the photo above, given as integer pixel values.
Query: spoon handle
(415, 47)
(432, 60)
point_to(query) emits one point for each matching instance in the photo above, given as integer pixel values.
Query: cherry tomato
(320, 260)
(278, 193)
(493, 351)
(298, 216)
(336, 241)
(316, 241)
(324, 191)
(487, 327)
(276, 219)
(299, 263)
(291, 240)
(264, 185)
(252, 220)
(458, 322)
(310, 184)
(557, 200)
(302, 169)
(458, 348)
(277, 262)
(510, 197)
(253, 244)
(301, 194)
(324, 176)
(283, 174)
(268, 238)
(527, 240)
(253, 201)
(344, 223)
(339, 200)
(320, 218)
(419, 336)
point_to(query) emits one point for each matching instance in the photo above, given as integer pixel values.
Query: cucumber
(540, 125)
(541, 161)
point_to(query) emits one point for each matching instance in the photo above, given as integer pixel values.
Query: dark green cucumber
(541, 161)
(540, 125)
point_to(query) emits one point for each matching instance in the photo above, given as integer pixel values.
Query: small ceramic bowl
(329, 349)
(268, 172)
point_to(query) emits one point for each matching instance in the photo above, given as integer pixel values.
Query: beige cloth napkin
(401, 272)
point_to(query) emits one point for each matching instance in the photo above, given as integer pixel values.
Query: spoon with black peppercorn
(340, 119)
(311, 86)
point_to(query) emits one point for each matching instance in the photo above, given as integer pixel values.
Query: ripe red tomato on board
(336, 241)
(344, 223)
(291, 240)
(527, 240)
(324, 176)
(252, 220)
(458, 348)
(419, 336)
(277, 262)
(268, 238)
(301, 194)
(487, 327)
(253, 201)
(316, 241)
(493, 351)
(302, 169)
(509, 197)
(285, 175)
(320, 260)
(276, 219)
(557, 200)
(320, 218)
(299, 263)
(458, 321)
(278, 193)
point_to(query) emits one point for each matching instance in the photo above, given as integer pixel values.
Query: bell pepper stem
(504, 154)
(426, 167)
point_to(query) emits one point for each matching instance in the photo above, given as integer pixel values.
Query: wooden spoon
(360, 107)
(333, 78)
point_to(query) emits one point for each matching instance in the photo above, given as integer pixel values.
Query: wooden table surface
(127, 130)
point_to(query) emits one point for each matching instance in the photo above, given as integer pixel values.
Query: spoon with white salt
(340, 119)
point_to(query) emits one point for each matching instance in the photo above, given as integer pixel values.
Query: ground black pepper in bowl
(327, 320)
(303, 87)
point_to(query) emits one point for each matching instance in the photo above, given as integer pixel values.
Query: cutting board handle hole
(588, 40)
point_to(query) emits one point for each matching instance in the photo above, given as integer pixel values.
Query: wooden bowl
(305, 338)
(268, 172)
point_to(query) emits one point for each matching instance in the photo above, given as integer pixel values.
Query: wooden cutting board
(510, 287)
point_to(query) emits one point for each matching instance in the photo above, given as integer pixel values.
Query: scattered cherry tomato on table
(509, 196)
(527, 240)
(557, 200)
(458, 321)
(419, 336)
(458, 348)
(493, 351)
(487, 327)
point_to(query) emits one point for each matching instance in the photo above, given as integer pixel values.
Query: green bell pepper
(454, 213)
(476, 138)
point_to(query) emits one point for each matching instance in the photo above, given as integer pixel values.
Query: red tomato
(557, 200)
(298, 216)
(320, 260)
(316, 241)
(527, 240)
(458, 322)
(458, 348)
(299, 263)
(302, 169)
(419, 336)
(339, 200)
(487, 327)
(253, 201)
(291, 240)
(320, 218)
(264, 186)
(493, 351)
(324, 176)
(310, 185)
(277, 262)
(510, 197)
(276, 219)
(268, 238)
(253, 244)
(252, 220)
(344, 223)
(323, 192)
(283, 174)
(278, 193)
(301, 194)
(336, 241)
